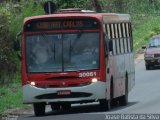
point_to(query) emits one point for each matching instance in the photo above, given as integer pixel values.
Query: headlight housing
(149, 55)
(94, 80)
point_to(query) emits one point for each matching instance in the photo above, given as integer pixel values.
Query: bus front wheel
(147, 67)
(66, 106)
(105, 104)
(55, 107)
(39, 109)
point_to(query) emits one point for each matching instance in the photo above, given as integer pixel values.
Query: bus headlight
(32, 83)
(94, 80)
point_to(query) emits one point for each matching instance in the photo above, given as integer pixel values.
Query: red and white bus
(77, 57)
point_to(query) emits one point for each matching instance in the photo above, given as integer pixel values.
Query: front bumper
(94, 91)
(152, 62)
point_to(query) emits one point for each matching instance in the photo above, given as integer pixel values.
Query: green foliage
(11, 95)
(145, 30)
(156, 29)
(132, 6)
(29, 8)
(63, 4)
(7, 61)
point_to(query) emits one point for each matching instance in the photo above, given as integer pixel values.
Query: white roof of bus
(107, 17)
(113, 18)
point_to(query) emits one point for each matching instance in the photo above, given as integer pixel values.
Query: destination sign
(61, 24)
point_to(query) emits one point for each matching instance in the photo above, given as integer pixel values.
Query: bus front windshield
(62, 52)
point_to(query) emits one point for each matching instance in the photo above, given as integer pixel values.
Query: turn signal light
(94, 80)
(32, 83)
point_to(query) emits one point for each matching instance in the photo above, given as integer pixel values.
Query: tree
(119, 5)
(7, 63)
(97, 6)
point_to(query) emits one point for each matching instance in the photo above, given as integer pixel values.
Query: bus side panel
(129, 66)
(119, 76)
(114, 74)
(109, 66)
(117, 64)
(131, 82)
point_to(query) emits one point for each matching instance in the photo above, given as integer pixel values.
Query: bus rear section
(62, 61)
(119, 56)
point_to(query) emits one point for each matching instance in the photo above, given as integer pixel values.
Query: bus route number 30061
(87, 74)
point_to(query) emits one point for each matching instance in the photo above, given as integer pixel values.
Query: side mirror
(19, 56)
(17, 48)
(16, 45)
(110, 46)
(17, 42)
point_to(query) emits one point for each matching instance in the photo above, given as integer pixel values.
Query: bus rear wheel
(39, 109)
(123, 100)
(107, 104)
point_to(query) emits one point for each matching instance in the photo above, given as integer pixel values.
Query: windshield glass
(154, 42)
(62, 52)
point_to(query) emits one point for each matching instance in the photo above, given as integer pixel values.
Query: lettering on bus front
(65, 24)
(87, 74)
(61, 24)
(72, 24)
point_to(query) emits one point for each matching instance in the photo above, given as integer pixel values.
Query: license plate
(64, 92)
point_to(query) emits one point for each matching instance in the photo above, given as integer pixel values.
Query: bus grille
(55, 96)
(59, 86)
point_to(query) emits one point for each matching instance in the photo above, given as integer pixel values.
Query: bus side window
(109, 37)
(110, 46)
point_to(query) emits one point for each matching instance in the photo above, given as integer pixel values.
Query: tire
(147, 67)
(123, 100)
(55, 107)
(114, 102)
(39, 109)
(105, 105)
(66, 106)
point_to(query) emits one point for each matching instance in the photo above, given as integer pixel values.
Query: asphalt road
(143, 99)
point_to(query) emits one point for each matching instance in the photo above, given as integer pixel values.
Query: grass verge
(144, 30)
(11, 96)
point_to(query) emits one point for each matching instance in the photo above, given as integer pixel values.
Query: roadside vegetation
(145, 21)
(11, 95)
(148, 27)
